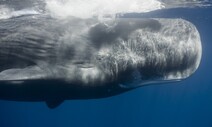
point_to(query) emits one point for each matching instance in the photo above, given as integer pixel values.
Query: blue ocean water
(183, 104)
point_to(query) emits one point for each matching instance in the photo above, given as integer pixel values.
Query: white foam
(99, 8)
(102, 8)
(96, 8)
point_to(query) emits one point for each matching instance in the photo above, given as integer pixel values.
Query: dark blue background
(184, 104)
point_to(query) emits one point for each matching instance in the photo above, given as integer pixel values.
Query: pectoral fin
(54, 103)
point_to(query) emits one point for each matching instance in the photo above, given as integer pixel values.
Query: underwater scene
(99, 63)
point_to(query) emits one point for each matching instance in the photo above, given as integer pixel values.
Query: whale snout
(175, 51)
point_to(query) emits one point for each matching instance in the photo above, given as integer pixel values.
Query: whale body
(52, 60)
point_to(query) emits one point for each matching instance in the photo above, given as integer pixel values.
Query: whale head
(151, 51)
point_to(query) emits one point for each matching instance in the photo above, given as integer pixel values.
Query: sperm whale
(52, 60)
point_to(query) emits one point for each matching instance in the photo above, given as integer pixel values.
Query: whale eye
(99, 58)
(83, 64)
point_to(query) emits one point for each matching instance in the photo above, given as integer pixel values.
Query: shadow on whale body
(52, 60)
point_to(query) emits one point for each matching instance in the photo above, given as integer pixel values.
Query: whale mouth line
(149, 82)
